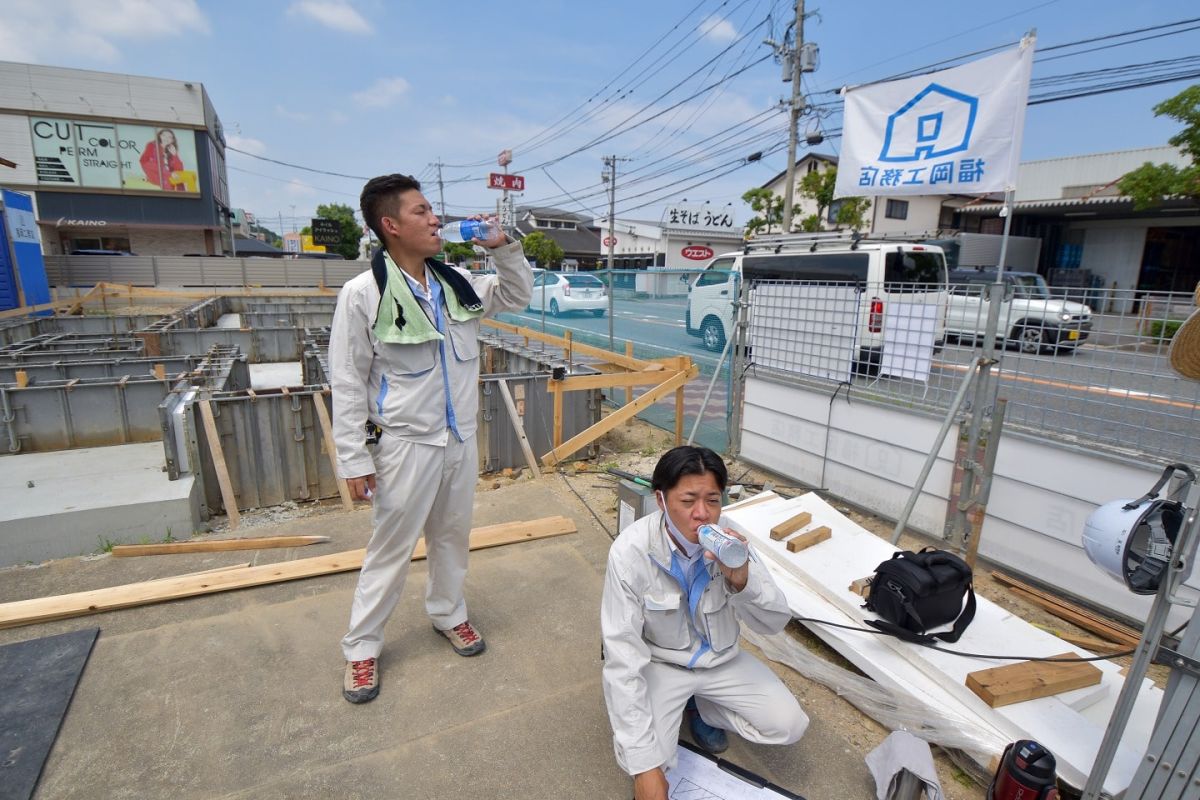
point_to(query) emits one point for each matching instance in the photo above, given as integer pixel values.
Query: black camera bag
(915, 592)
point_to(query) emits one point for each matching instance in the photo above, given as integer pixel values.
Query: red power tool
(1026, 773)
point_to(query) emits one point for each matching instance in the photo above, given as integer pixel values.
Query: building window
(834, 208)
(896, 209)
(812, 167)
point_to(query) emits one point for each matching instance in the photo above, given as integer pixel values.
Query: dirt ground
(635, 447)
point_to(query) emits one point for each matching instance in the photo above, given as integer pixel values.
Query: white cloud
(333, 14)
(717, 29)
(297, 188)
(246, 144)
(295, 116)
(37, 31)
(382, 93)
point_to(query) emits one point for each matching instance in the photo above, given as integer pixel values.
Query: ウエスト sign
(697, 252)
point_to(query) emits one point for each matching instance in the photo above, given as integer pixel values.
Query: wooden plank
(331, 450)
(1097, 646)
(1103, 626)
(808, 539)
(761, 497)
(42, 609)
(862, 586)
(580, 349)
(218, 457)
(1029, 680)
(791, 525)
(1070, 615)
(608, 380)
(519, 426)
(160, 372)
(216, 545)
(585, 437)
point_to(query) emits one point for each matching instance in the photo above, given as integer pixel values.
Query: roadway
(1098, 393)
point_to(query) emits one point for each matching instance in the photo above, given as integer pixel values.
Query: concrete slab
(274, 375)
(70, 502)
(238, 695)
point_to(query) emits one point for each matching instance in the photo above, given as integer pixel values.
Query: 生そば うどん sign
(114, 156)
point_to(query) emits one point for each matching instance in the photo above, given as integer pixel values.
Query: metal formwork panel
(273, 447)
(104, 368)
(89, 412)
(113, 324)
(295, 319)
(260, 345)
(499, 445)
(12, 331)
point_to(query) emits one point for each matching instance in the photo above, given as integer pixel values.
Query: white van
(882, 271)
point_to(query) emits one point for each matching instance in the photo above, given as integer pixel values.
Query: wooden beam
(218, 457)
(331, 450)
(607, 380)
(791, 525)
(44, 609)
(215, 545)
(862, 586)
(1064, 609)
(519, 426)
(808, 539)
(628, 393)
(587, 436)
(1029, 680)
(761, 497)
(607, 356)
(160, 372)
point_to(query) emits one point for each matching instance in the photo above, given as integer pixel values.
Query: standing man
(404, 356)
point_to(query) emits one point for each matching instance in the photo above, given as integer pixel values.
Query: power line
(298, 166)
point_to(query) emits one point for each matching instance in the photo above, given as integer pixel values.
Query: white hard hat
(1131, 540)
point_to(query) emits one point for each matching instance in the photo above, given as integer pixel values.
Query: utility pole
(610, 176)
(441, 188)
(797, 108)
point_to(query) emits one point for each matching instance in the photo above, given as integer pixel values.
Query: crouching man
(670, 620)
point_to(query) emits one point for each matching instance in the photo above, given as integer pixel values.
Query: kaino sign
(697, 252)
(957, 131)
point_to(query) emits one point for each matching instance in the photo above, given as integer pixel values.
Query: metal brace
(1179, 661)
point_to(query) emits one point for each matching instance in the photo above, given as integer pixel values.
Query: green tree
(818, 187)
(458, 252)
(351, 231)
(541, 248)
(1150, 184)
(769, 207)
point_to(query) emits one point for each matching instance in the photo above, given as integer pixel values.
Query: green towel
(400, 318)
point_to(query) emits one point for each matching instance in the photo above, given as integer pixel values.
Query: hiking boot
(465, 640)
(361, 683)
(707, 738)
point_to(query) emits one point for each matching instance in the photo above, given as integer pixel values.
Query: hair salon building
(115, 162)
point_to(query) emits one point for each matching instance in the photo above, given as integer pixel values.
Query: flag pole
(975, 474)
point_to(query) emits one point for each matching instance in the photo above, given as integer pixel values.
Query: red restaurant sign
(514, 183)
(697, 252)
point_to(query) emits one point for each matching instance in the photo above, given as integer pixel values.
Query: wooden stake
(44, 609)
(791, 525)
(557, 395)
(629, 355)
(22, 379)
(160, 372)
(806, 540)
(681, 364)
(862, 586)
(519, 426)
(215, 545)
(567, 349)
(331, 450)
(218, 457)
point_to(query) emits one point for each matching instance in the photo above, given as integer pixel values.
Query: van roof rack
(796, 241)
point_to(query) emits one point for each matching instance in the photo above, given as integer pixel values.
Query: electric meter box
(634, 501)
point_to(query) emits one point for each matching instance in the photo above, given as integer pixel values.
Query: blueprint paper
(698, 778)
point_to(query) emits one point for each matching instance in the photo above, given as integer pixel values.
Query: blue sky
(365, 87)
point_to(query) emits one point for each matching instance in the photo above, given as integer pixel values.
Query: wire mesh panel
(805, 329)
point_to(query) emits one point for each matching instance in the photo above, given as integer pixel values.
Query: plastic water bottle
(468, 229)
(729, 550)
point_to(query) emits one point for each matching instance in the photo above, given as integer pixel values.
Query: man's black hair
(379, 197)
(687, 460)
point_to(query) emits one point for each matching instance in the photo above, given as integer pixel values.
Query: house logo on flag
(936, 122)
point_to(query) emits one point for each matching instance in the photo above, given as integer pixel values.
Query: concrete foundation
(54, 505)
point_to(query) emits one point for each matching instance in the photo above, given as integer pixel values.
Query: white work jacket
(648, 614)
(400, 386)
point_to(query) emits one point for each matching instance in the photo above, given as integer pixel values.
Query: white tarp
(957, 131)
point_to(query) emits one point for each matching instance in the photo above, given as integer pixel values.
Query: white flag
(957, 131)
